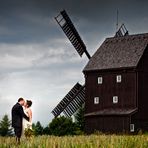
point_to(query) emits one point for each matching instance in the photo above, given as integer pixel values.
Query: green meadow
(90, 141)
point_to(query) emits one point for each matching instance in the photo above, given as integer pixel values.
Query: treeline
(58, 126)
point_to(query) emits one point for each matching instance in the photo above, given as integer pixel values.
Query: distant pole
(117, 21)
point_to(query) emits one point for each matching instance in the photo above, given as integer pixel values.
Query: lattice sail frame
(71, 102)
(67, 26)
(122, 31)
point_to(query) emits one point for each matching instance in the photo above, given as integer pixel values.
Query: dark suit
(17, 117)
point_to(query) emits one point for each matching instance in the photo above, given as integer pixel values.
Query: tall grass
(92, 141)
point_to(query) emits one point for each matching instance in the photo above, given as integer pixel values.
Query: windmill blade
(71, 102)
(75, 104)
(122, 31)
(67, 26)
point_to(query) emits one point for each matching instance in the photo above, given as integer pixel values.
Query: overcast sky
(38, 62)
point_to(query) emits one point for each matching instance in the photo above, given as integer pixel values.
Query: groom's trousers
(18, 132)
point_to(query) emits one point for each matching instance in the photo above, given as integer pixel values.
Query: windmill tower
(119, 75)
(76, 96)
(109, 72)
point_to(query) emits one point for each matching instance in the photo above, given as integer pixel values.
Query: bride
(28, 112)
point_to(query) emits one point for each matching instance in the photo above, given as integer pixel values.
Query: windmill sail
(122, 31)
(71, 102)
(67, 26)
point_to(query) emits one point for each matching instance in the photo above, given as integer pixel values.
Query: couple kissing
(21, 117)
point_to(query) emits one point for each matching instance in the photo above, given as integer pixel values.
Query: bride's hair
(29, 103)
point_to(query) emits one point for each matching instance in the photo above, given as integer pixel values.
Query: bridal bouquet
(28, 132)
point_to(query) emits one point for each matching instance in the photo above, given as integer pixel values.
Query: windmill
(76, 96)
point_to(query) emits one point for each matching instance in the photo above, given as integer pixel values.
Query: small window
(115, 99)
(132, 128)
(118, 78)
(100, 80)
(96, 100)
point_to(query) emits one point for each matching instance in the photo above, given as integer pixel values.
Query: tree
(79, 117)
(37, 128)
(46, 131)
(62, 126)
(5, 126)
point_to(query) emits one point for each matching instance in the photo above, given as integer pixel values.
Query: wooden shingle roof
(116, 112)
(118, 52)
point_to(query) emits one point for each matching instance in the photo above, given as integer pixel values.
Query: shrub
(62, 126)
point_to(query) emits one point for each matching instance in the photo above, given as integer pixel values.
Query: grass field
(92, 141)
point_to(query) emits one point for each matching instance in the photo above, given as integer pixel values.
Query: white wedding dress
(26, 124)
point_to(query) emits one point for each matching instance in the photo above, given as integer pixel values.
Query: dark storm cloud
(33, 20)
(25, 21)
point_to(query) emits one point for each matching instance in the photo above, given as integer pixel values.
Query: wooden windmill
(118, 73)
(76, 96)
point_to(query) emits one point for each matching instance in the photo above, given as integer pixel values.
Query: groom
(17, 116)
